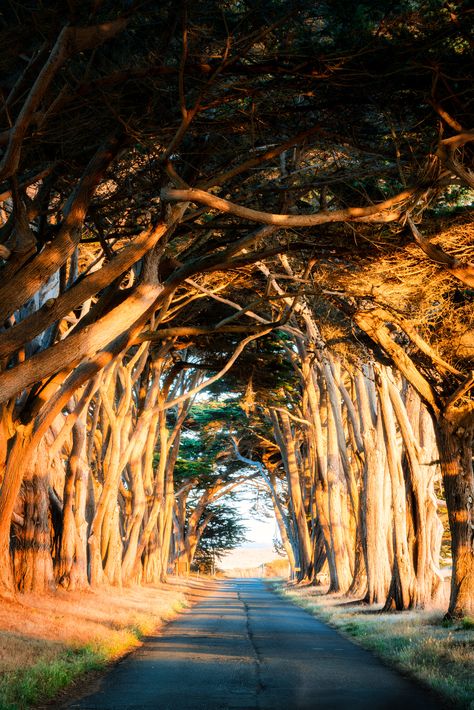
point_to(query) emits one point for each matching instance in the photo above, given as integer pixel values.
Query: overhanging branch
(381, 212)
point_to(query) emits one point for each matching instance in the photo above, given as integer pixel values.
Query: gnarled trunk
(455, 454)
(71, 568)
(285, 441)
(402, 588)
(33, 563)
(18, 461)
(338, 503)
(372, 500)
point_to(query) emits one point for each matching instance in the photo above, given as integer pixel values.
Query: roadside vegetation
(48, 643)
(435, 651)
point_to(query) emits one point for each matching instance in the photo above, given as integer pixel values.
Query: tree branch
(381, 212)
(463, 272)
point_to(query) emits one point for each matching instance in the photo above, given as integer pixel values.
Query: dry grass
(277, 568)
(47, 642)
(420, 643)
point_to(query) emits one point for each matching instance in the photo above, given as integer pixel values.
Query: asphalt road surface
(245, 647)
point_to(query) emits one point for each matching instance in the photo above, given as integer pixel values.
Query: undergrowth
(22, 688)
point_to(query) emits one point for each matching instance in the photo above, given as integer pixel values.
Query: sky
(259, 545)
(260, 529)
(260, 532)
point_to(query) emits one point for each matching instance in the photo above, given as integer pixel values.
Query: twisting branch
(37, 272)
(239, 349)
(381, 212)
(69, 41)
(463, 272)
(259, 159)
(447, 154)
(264, 474)
(462, 390)
(55, 309)
(189, 331)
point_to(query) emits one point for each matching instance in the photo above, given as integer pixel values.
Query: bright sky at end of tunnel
(261, 529)
(260, 532)
(258, 547)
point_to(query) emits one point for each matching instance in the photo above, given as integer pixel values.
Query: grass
(42, 681)
(440, 654)
(49, 643)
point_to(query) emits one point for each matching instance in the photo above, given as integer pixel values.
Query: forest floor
(52, 642)
(421, 644)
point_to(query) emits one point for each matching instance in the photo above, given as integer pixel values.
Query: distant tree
(223, 533)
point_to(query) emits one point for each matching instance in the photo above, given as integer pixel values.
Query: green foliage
(194, 466)
(205, 442)
(223, 533)
(265, 367)
(23, 688)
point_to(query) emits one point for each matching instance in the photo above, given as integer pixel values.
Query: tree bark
(455, 453)
(285, 440)
(338, 504)
(19, 460)
(32, 551)
(402, 588)
(374, 524)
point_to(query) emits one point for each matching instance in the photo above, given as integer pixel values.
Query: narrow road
(245, 647)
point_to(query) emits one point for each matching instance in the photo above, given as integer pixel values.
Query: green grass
(23, 688)
(439, 654)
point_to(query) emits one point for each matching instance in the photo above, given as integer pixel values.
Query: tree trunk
(129, 563)
(338, 509)
(152, 558)
(113, 557)
(72, 559)
(402, 587)
(455, 453)
(32, 552)
(78, 574)
(18, 462)
(320, 446)
(425, 529)
(167, 529)
(285, 440)
(372, 501)
(288, 541)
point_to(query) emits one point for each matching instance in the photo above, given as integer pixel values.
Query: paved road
(245, 647)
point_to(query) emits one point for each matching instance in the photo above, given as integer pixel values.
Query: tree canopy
(179, 182)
